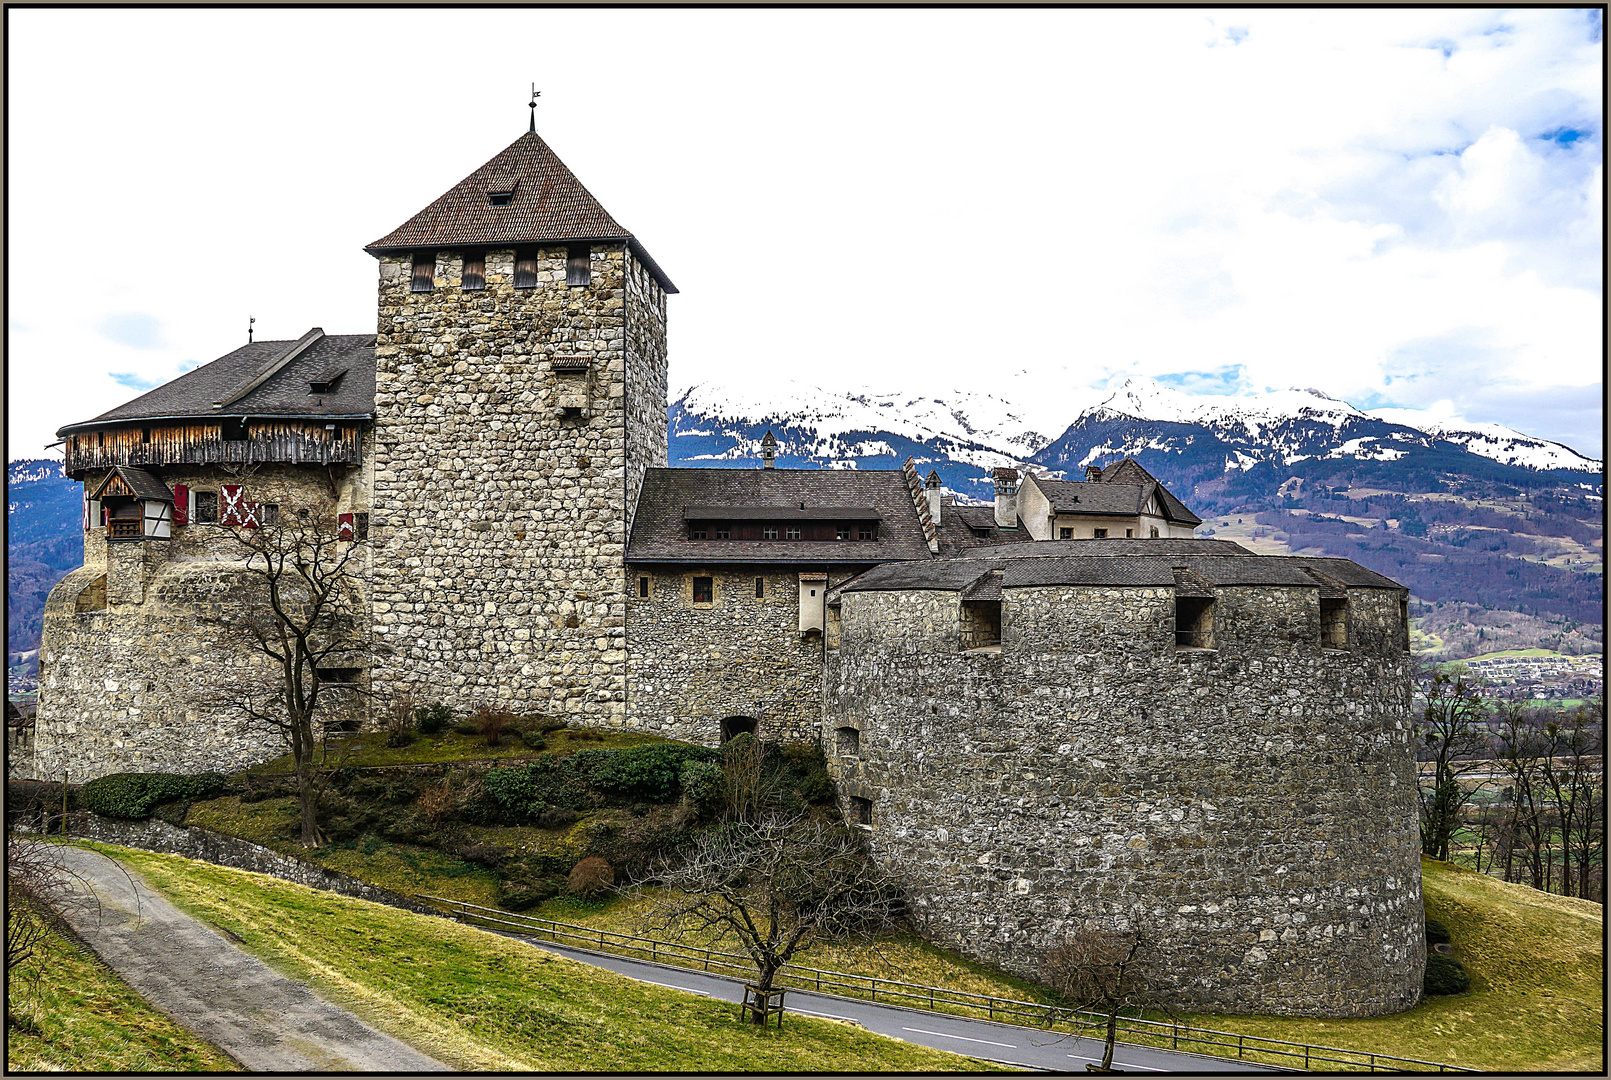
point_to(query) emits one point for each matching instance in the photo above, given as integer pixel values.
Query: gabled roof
(660, 531)
(958, 525)
(1129, 471)
(284, 392)
(547, 204)
(1123, 490)
(140, 484)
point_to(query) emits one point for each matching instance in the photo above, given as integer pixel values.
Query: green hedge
(1445, 975)
(1437, 933)
(135, 795)
(581, 781)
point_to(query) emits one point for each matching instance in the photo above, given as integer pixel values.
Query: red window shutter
(230, 504)
(181, 504)
(249, 515)
(344, 527)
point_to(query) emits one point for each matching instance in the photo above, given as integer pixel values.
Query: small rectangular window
(841, 532)
(1194, 622)
(643, 588)
(704, 590)
(848, 743)
(500, 198)
(861, 810)
(526, 268)
(868, 531)
(1129, 532)
(769, 532)
(791, 532)
(698, 532)
(1101, 534)
(268, 513)
(1065, 532)
(207, 507)
(1154, 532)
(360, 526)
(233, 429)
(341, 676)
(145, 435)
(475, 271)
(1334, 622)
(760, 588)
(424, 279)
(724, 531)
(578, 265)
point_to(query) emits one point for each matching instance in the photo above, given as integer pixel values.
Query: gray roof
(957, 525)
(284, 393)
(660, 532)
(1116, 497)
(1130, 471)
(142, 483)
(801, 511)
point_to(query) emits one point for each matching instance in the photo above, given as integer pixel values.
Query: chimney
(931, 486)
(1006, 497)
(769, 451)
(1093, 474)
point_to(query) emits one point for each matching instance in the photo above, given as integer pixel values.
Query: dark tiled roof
(284, 393)
(143, 484)
(549, 205)
(1163, 546)
(957, 525)
(1085, 497)
(659, 533)
(801, 511)
(1129, 471)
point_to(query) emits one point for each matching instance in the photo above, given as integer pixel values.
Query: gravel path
(187, 970)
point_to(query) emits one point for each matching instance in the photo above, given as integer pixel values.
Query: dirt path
(186, 969)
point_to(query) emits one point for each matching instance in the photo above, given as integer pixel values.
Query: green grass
(369, 748)
(77, 1016)
(481, 1002)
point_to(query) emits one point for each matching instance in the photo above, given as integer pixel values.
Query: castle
(1058, 706)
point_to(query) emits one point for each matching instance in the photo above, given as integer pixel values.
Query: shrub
(701, 787)
(433, 719)
(585, 734)
(591, 878)
(524, 895)
(534, 740)
(491, 723)
(1437, 933)
(399, 739)
(133, 796)
(1445, 975)
(556, 817)
(650, 773)
(483, 853)
(466, 729)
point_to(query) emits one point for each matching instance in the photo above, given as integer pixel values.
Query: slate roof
(957, 524)
(284, 393)
(660, 532)
(1123, 490)
(1130, 471)
(548, 205)
(142, 483)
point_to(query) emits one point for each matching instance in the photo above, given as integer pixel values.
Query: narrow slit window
(1129, 532)
(474, 277)
(1194, 622)
(424, 279)
(760, 588)
(578, 265)
(643, 588)
(526, 268)
(360, 526)
(704, 590)
(1333, 622)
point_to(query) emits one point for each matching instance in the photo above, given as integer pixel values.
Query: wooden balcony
(203, 444)
(125, 529)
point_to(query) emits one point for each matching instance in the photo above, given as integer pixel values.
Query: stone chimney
(769, 451)
(1006, 497)
(931, 488)
(1093, 474)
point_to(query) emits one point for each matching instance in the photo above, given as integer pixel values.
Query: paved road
(1005, 1043)
(187, 970)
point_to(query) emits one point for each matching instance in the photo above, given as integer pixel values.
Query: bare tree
(1453, 735)
(1518, 748)
(301, 615)
(1105, 969)
(776, 885)
(39, 888)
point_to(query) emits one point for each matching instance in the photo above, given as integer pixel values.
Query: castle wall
(500, 527)
(694, 665)
(645, 390)
(1252, 805)
(131, 673)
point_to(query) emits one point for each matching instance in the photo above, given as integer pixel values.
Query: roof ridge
(298, 347)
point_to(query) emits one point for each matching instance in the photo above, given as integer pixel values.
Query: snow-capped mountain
(1495, 441)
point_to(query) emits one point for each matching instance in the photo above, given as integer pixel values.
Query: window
(1101, 534)
(206, 507)
(724, 531)
(233, 429)
(841, 532)
(360, 526)
(1194, 622)
(475, 271)
(980, 623)
(341, 676)
(791, 532)
(1129, 532)
(145, 435)
(424, 279)
(1333, 622)
(578, 267)
(704, 590)
(1065, 532)
(1155, 532)
(982, 534)
(848, 742)
(500, 198)
(268, 513)
(643, 588)
(861, 811)
(769, 532)
(760, 588)
(698, 532)
(526, 268)
(868, 531)
(326, 385)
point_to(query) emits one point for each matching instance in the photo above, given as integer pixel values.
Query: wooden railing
(1254, 1049)
(124, 528)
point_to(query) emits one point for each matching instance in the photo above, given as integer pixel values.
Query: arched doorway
(737, 725)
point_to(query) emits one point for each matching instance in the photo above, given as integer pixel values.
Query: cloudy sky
(1399, 208)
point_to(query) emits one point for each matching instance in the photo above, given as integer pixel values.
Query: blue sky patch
(1565, 136)
(132, 329)
(135, 382)
(1226, 379)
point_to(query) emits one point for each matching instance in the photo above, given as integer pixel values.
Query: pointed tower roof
(524, 195)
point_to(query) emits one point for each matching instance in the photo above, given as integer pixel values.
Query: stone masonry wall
(500, 527)
(645, 393)
(1252, 805)
(131, 672)
(694, 665)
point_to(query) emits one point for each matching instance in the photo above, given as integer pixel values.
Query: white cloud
(879, 197)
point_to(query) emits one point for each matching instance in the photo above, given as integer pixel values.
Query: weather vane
(535, 94)
(249, 321)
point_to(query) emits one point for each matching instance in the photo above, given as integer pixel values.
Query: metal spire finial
(249, 321)
(535, 94)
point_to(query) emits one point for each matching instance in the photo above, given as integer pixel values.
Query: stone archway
(737, 725)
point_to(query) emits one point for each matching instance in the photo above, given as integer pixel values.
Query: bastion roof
(1121, 563)
(660, 530)
(284, 392)
(546, 204)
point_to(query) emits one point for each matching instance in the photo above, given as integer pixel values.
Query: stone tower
(520, 394)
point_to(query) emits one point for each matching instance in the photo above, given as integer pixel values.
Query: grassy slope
(1537, 976)
(80, 1017)
(482, 1002)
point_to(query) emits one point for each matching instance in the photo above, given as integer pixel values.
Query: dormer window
(501, 192)
(578, 265)
(526, 268)
(475, 271)
(424, 279)
(327, 384)
(500, 198)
